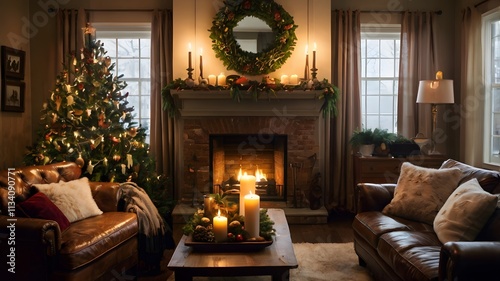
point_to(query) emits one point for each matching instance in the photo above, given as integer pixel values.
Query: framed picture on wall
(12, 95)
(13, 63)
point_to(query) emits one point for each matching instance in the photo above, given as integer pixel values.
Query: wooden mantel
(220, 103)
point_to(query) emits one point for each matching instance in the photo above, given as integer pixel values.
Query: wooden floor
(337, 230)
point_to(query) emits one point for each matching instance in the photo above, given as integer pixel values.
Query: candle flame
(189, 47)
(307, 49)
(201, 51)
(218, 213)
(314, 46)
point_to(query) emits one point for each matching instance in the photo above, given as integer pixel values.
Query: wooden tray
(249, 246)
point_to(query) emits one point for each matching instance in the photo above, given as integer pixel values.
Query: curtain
(162, 126)
(69, 34)
(346, 73)
(471, 88)
(417, 63)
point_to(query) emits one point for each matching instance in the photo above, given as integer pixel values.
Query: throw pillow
(465, 213)
(39, 206)
(420, 192)
(74, 198)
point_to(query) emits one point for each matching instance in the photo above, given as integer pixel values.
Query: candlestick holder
(314, 73)
(190, 72)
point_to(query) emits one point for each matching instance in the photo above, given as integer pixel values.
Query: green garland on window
(228, 50)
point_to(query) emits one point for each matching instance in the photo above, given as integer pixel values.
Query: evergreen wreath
(228, 50)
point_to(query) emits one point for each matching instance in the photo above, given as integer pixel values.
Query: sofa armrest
(106, 195)
(475, 260)
(373, 197)
(31, 231)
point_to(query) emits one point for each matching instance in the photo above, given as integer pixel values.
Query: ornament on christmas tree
(132, 132)
(124, 169)
(130, 161)
(117, 157)
(79, 161)
(90, 167)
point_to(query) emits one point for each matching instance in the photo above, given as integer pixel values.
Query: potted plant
(364, 141)
(382, 138)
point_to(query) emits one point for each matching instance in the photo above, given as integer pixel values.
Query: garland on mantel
(242, 87)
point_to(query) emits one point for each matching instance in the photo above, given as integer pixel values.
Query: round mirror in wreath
(272, 56)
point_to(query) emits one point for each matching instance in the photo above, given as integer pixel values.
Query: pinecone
(203, 234)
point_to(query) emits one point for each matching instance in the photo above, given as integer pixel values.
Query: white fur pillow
(421, 192)
(465, 213)
(73, 198)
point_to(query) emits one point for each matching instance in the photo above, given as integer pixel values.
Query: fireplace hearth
(261, 155)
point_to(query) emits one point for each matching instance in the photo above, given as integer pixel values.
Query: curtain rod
(438, 12)
(120, 10)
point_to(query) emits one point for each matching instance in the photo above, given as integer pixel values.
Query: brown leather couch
(102, 247)
(394, 248)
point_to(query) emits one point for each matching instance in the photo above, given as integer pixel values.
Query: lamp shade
(435, 91)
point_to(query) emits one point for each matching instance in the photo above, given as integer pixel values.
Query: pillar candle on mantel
(247, 185)
(284, 79)
(252, 214)
(212, 80)
(221, 80)
(220, 228)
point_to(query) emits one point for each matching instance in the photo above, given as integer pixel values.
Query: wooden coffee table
(275, 260)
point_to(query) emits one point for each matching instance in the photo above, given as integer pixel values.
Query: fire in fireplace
(261, 155)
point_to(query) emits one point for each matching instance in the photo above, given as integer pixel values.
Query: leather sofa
(393, 248)
(101, 247)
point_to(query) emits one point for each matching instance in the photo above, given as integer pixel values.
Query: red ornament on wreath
(277, 16)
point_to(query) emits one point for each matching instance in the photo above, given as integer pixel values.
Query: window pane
(372, 104)
(109, 46)
(145, 68)
(386, 104)
(145, 107)
(387, 68)
(387, 49)
(372, 68)
(128, 48)
(386, 123)
(372, 48)
(129, 68)
(132, 88)
(372, 121)
(372, 88)
(145, 48)
(387, 87)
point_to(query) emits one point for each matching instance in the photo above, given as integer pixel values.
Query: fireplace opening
(261, 155)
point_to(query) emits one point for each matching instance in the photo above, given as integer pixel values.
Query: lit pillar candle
(284, 79)
(220, 228)
(247, 185)
(221, 79)
(212, 80)
(294, 79)
(252, 214)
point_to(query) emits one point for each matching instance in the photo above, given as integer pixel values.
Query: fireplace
(261, 155)
(210, 123)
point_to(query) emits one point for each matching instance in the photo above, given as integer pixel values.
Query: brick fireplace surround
(204, 113)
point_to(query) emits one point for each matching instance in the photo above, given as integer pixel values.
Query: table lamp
(439, 91)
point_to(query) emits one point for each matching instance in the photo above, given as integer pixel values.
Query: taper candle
(306, 69)
(252, 214)
(207, 201)
(314, 55)
(201, 62)
(189, 56)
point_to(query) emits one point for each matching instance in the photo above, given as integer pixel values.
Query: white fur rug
(317, 262)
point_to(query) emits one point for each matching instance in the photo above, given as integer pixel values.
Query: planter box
(404, 149)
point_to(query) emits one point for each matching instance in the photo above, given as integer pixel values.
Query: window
(379, 77)
(491, 46)
(129, 47)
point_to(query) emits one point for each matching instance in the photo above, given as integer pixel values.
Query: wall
(15, 127)
(193, 18)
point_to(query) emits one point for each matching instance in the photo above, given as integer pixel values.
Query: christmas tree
(87, 120)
